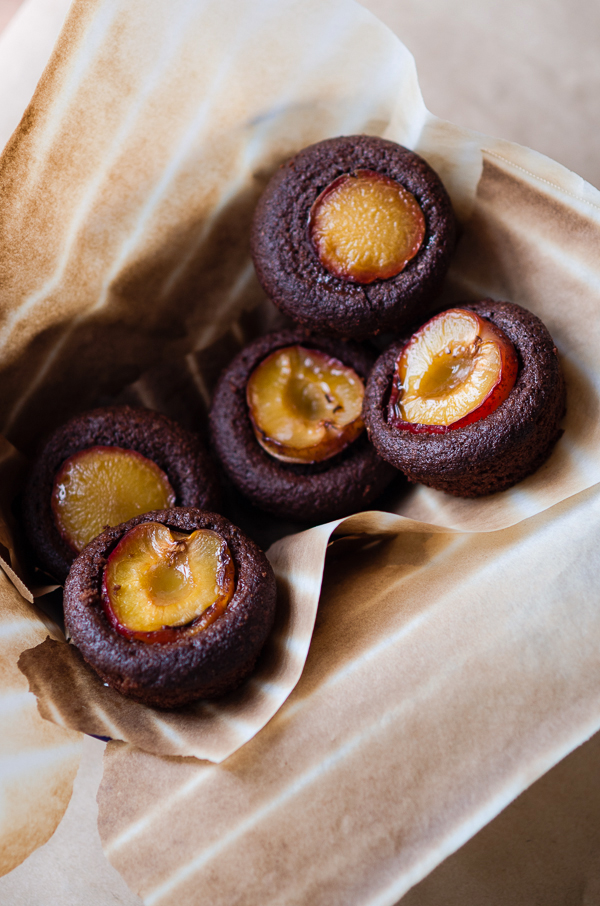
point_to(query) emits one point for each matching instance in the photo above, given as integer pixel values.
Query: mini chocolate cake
(176, 452)
(292, 273)
(496, 451)
(311, 492)
(201, 665)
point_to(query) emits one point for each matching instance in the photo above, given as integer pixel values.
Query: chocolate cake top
(290, 270)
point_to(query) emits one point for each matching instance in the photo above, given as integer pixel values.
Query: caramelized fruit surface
(366, 226)
(454, 370)
(158, 581)
(103, 486)
(305, 406)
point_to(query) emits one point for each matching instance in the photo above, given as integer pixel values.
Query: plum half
(104, 486)
(456, 369)
(305, 406)
(159, 584)
(366, 226)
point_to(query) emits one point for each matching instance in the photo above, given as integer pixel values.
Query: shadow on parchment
(543, 850)
(161, 308)
(71, 694)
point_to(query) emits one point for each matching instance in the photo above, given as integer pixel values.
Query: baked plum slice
(103, 486)
(366, 226)
(305, 406)
(160, 584)
(456, 369)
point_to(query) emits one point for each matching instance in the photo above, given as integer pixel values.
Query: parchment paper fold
(447, 672)
(38, 759)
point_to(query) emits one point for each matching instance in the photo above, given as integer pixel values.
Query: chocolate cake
(497, 451)
(290, 269)
(178, 453)
(201, 665)
(313, 492)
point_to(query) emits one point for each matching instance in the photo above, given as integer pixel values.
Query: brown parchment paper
(543, 849)
(127, 193)
(38, 759)
(447, 672)
(70, 868)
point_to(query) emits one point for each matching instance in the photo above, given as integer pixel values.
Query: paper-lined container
(127, 195)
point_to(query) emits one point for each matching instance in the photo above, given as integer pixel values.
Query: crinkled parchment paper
(72, 694)
(38, 759)
(455, 660)
(441, 681)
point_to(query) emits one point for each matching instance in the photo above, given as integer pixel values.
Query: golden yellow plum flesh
(158, 582)
(103, 486)
(305, 406)
(454, 370)
(365, 226)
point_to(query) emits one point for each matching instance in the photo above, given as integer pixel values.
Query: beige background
(526, 71)
(523, 70)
